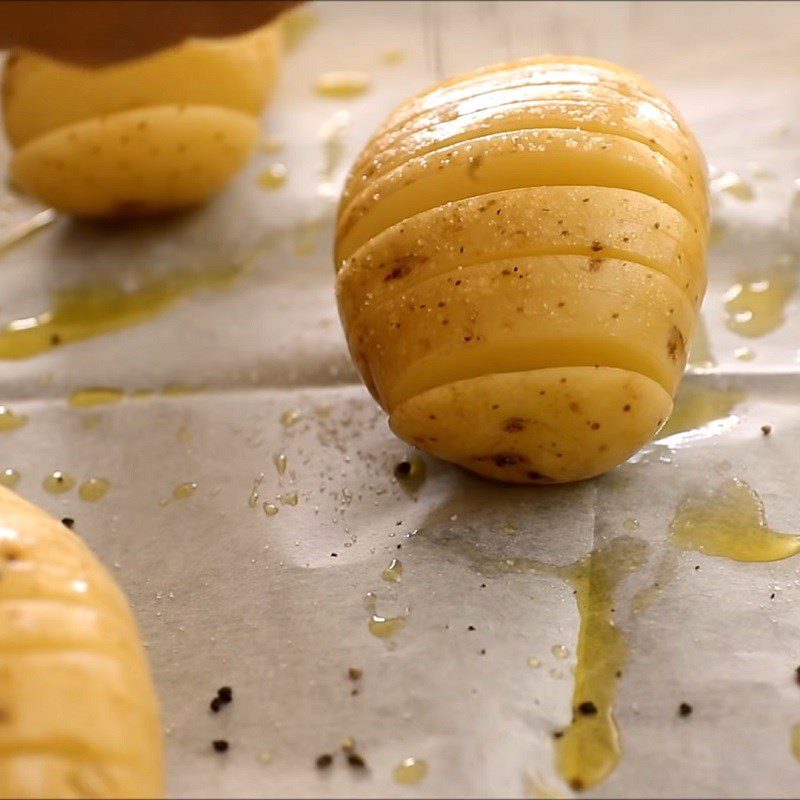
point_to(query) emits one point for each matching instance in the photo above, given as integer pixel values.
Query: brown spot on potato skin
(504, 459)
(574, 407)
(532, 475)
(403, 265)
(596, 246)
(595, 264)
(676, 345)
(514, 425)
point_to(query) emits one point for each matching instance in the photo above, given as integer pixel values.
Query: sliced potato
(538, 426)
(590, 107)
(41, 95)
(546, 157)
(136, 162)
(545, 220)
(524, 314)
(79, 715)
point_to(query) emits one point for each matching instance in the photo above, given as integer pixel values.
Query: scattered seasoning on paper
(220, 745)
(355, 674)
(68, 522)
(766, 429)
(224, 696)
(356, 761)
(587, 708)
(324, 761)
(684, 709)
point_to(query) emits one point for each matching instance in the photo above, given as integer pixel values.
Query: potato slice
(547, 70)
(545, 220)
(41, 95)
(136, 162)
(523, 314)
(545, 157)
(590, 107)
(78, 712)
(539, 426)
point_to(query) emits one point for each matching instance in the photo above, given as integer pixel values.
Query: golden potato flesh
(41, 95)
(80, 715)
(139, 162)
(520, 261)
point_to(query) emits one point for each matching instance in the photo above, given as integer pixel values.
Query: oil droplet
(178, 389)
(385, 627)
(86, 311)
(630, 524)
(393, 57)
(411, 770)
(280, 462)
(733, 184)
(19, 233)
(744, 354)
(331, 137)
(755, 307)
(370, 602)
(270, 509)
(290, 417)
(265, 756)
(58, 482)
(296, 25)
(93, 489)
(730, 522)
(560, 651)
(9, 478)
(10, 420)
(696, 406)
(273, 177)
(141, 394)
(95, 396)
(350, 83)
(534, 662)
(289, 498)
(253, 499)
(270, 145)
(393, 572)
(184, 490)
(795, 741)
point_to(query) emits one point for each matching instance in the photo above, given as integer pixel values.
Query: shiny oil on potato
(147, 136)
(520, 260)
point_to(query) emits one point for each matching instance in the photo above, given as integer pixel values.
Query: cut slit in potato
(602, 222)
(543, 157)
(524, 314)
(573, 108)
(538, 426)
(136, 162)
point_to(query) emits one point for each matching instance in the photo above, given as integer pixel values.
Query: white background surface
(226, 595)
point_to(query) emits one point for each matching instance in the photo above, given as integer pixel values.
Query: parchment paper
(228, 595)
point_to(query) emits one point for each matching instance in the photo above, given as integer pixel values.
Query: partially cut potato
(521, 255)
(41, 95)
(138, 162)
(78, 712)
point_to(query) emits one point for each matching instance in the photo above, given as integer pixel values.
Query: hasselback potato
(78, 711)
(520, 258)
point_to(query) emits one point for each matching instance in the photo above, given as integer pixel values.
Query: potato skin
(149, 136)
(79, 712)
(520, 261)
(136, 163)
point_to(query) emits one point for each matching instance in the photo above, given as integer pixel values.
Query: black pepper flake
(772, 596)
(220, 745)
(684, 709)
(324, 761)
(55, 339)
(355, 674)
(225, 694)
(403, 469)
(558, 734)
(334, 555)
(697, 567)
(68, 522)
(215, 705)
(797, 674)
(483, 651)
(356, 761)
(766, 429)
(587, 707)
(483, 586)
(470, 627)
